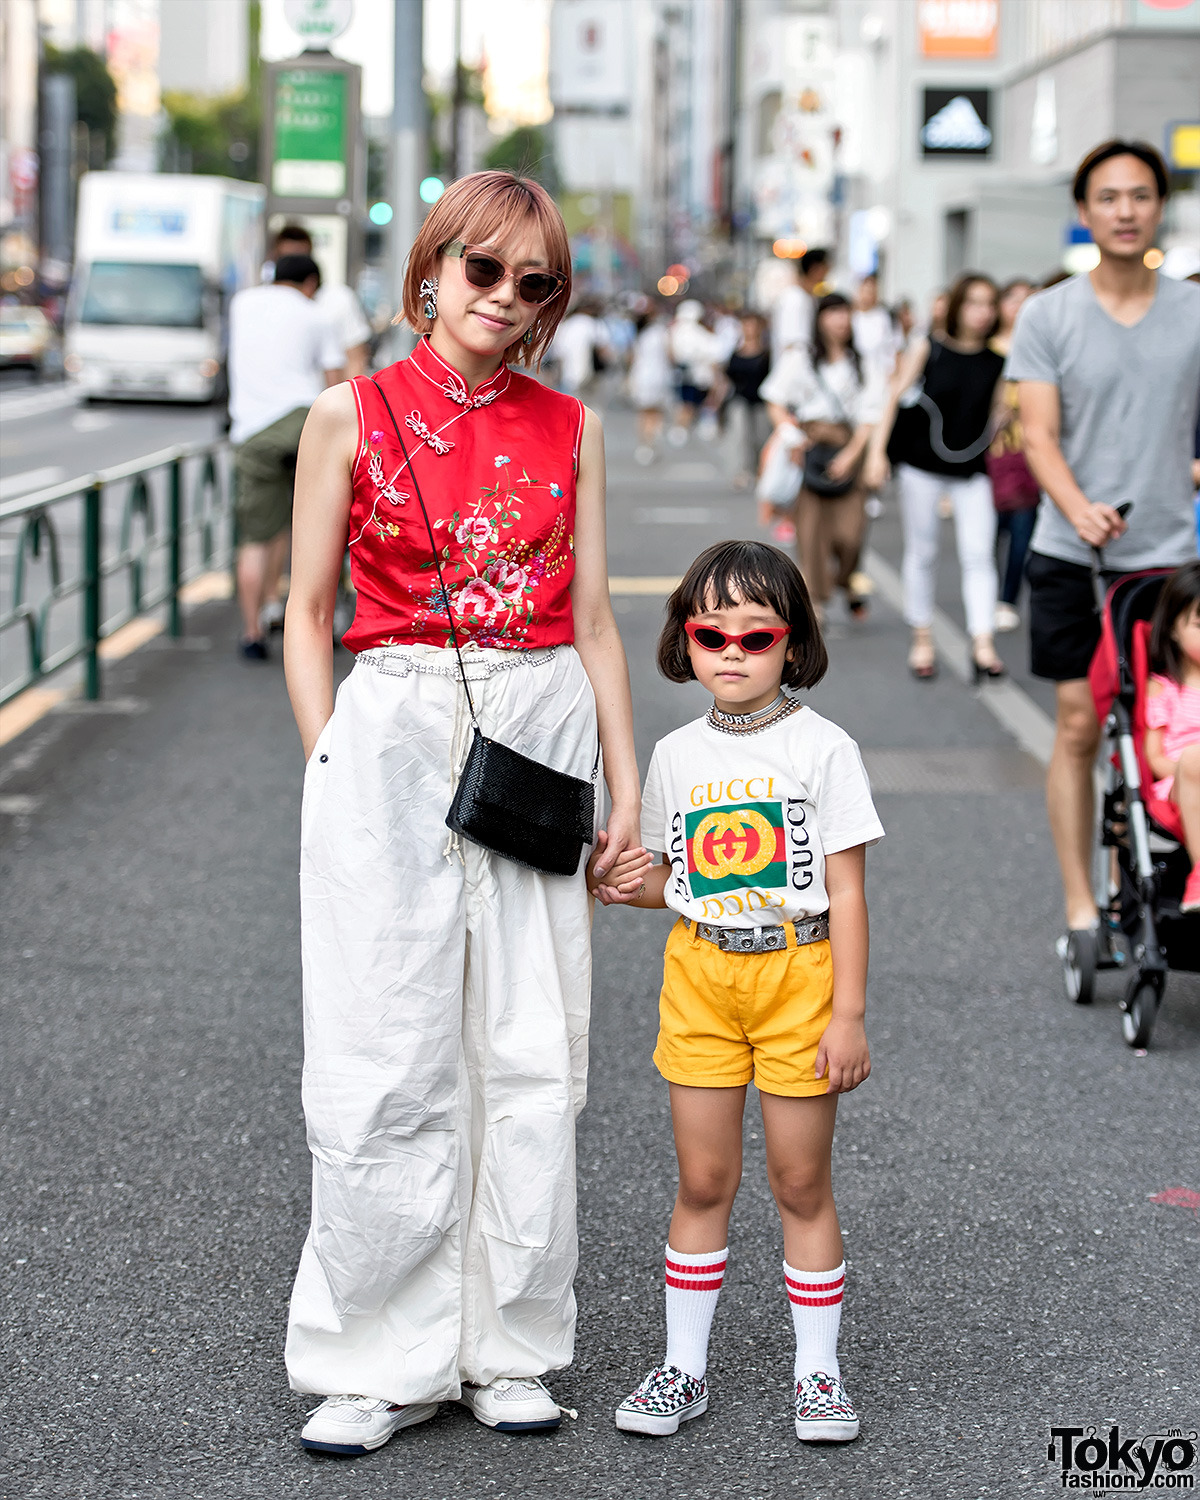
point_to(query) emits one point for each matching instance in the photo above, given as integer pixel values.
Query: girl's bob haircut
(491, 208)
(1180, 596)
(732, 573)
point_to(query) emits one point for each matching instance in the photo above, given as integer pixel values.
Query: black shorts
(1064, 628)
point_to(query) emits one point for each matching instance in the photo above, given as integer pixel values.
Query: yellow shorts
(727, 1018)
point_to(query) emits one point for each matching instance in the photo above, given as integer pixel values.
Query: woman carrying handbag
(446, 972)
(936, 426)
(835, 400)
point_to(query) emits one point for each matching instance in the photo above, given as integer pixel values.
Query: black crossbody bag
(506, 802)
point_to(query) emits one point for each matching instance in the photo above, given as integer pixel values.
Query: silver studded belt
(396, 661)
(761, 939)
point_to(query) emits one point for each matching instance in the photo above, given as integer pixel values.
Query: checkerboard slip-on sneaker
(516, 1405)
(352, 1425)
(664, 1399)
(824, 1411)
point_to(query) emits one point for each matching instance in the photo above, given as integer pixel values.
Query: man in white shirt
(792, 319)
(335, 299)
(874, 333)
(282, 354)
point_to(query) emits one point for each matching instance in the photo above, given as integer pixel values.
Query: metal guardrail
(168, 531)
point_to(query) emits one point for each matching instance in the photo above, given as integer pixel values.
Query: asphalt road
(1008, 1272)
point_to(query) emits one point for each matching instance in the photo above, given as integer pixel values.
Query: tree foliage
(95, 91)
(526, 150)
(215, 136)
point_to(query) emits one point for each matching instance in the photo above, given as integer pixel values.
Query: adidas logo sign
(956, 127)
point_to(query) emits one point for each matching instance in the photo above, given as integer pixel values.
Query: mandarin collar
(427, 362)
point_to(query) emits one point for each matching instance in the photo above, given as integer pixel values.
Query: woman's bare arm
(320, 519)
(912, 362)
(599, 644)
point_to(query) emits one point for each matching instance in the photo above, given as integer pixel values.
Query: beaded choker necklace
(761, 718)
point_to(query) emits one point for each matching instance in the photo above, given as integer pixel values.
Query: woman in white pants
(938, 445)
(446, 988)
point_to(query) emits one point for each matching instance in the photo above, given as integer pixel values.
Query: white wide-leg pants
(975, 532)
(446, 996)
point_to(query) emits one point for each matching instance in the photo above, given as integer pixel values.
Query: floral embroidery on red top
(501, 501)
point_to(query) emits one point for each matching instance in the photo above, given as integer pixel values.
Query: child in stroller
(1172, 743)
(1152, 792)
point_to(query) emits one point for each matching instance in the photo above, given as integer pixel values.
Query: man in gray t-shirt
(1127, 398)
(1108, 368)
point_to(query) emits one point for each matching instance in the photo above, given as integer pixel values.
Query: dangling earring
(528, 339)
(429, 290)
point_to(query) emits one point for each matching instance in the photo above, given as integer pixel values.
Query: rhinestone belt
(761, 939)
(395, 661)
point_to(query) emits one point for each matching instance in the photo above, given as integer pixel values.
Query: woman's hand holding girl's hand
(624, 876)
(843, 1051)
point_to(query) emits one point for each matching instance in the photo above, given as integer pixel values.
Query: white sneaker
(520, 1405)
(824, 1411)
(270, 616)
(1006, 617)
(357, 1424)
(643, 454)
(677, 436)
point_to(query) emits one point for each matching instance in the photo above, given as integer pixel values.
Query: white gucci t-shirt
(747, 820)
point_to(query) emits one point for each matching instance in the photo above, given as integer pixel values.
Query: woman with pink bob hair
(447, 987)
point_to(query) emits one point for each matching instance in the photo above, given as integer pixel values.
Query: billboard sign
(956, 122)
(958, 28)
(309, 159)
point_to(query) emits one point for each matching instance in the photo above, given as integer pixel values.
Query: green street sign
(309, 160)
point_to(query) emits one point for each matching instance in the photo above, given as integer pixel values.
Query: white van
(157, 258)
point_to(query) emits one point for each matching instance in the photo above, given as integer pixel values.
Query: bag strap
(934, 412)
(833, 396)
(432, 547)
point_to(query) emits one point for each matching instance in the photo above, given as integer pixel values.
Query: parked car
(27, 338)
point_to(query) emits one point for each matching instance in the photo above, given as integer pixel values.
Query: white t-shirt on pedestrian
(835, 393)
(280, 346)
(792, 320)
(344, 311)
(876, 338)
(748, 820)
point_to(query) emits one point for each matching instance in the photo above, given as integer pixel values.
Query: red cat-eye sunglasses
(753, 642)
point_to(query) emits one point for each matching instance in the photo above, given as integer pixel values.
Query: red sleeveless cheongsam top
(497, 473)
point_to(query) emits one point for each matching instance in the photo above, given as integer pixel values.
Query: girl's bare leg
(799, 1135)
(1185, 793)
(708, 1142)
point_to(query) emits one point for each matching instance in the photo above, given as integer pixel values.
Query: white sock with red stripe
(693, 1285)
(816, 1299)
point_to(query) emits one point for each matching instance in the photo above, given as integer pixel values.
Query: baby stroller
(1142, 865)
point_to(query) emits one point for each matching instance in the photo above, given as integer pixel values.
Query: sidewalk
(1007, 1269)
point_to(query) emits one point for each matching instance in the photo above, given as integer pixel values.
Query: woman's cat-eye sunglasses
(484, 269)
(753, 642)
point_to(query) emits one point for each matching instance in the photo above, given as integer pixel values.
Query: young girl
(762, 812)
(1173, 711)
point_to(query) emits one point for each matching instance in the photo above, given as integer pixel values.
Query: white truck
(157, 258)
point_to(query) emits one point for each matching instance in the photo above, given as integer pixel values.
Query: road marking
(125, 641)
(33, 403)
(209, 586)
(1011, 706)
(680, 515)
(18, 805)
(26, 709)
(648, 586)
(91, 421)
(31, 479)
(36, 702)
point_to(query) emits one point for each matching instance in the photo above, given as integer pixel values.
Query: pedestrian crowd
(451, 788)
